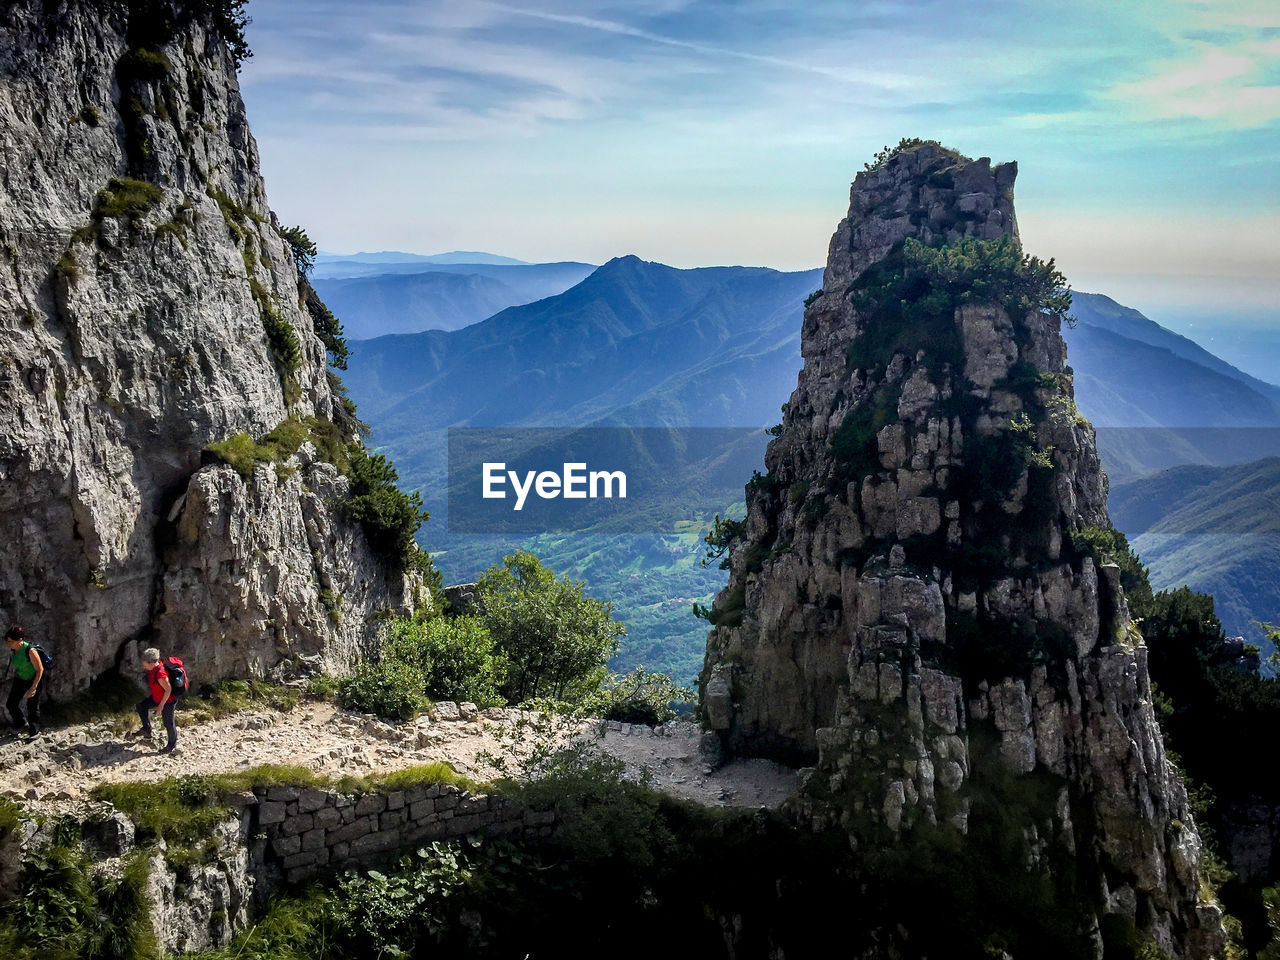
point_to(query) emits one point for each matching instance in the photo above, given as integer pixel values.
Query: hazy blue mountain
(535, 280)
(408, 303)
(1252, 344)
(1215, 529)
(1122, 382)
(411, 297)
(415, 296)
(635, 343)
(398, 256)
(1159, 399)
(1094, 310)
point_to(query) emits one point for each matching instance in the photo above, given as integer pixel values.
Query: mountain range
(644, 344)
(412, 297)
(382, 257)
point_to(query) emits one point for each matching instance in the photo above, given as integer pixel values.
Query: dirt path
(60, 767)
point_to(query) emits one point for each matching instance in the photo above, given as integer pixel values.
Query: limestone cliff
(151, 306)
(914, 606)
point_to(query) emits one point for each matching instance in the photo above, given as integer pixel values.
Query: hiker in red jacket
(160, 703)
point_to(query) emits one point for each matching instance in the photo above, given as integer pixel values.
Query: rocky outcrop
(913, 606)
(151, 306)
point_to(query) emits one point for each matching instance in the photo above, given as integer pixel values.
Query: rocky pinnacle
(913, 607)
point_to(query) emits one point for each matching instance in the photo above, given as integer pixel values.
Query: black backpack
(44, 656)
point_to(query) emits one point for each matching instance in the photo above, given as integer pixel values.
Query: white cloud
(1224, 71)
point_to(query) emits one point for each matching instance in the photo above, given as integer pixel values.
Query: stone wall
(300, 833)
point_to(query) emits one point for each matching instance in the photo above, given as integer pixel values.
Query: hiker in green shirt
(28, 670)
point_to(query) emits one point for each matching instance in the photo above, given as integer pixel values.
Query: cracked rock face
(135, 334)
(907, 610)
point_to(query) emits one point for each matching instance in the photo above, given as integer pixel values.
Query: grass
(68, 266)
(125, 197)
(233, 213)
(235, 696)
(289, 930)
(185, 810)
(242, 451)
(11, 815)
(438, 772)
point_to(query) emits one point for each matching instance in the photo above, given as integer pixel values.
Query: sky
(694, 133)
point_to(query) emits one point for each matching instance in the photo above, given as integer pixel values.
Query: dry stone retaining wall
(300, 833)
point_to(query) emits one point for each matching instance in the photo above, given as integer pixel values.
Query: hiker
(28, 671)
(161, 701)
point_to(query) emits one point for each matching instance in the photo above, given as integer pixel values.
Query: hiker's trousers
(146, 705)
(18, 697)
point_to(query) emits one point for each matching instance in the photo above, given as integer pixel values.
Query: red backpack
(178, 680)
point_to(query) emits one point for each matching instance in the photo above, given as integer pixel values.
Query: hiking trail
(56, 771)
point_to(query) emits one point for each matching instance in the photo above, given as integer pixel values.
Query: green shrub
(907, 300)
(345, 415)
(603, 816)
(855, 446)
(455, 655)
(390, 915)
(57, 893)
(905, 145)
(65, 909)
(1107, 545)
(282, 339)
(719, 538)
(68, 267)
(556, 640)
(639, 696)
(389, 517)
(11, 816)
(124, 931)
(730, 613)
(387, 687)
(323, 686)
